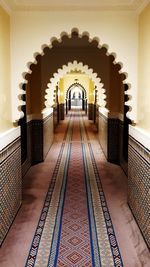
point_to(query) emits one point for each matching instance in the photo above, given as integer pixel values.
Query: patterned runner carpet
(75, 228)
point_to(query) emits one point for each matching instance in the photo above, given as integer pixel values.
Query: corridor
(74, 211)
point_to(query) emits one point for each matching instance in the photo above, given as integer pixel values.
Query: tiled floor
(14, 250)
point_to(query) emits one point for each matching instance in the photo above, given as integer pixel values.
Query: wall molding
(9, 136)
(140, 135)
(40, 116)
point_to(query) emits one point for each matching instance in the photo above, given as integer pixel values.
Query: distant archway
(50, 94)
(76, 84)
(72, 101)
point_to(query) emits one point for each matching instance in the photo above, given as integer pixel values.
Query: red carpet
(74, 248)
(75, 228)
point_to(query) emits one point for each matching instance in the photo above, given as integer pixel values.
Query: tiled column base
(37, 141)
(55, 116)
(10, 184)
(91, 111)
(28, 162)
(61, 111)
(42, 137)
(109, 136)
(123, 148)
(139, 185)
(113, 140)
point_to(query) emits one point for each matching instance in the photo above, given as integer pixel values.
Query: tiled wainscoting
(10, 184)
(139, 185)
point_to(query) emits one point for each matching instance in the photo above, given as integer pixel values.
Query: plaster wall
(5, 91)
(61, 91)
(91, 93)
(144, 70)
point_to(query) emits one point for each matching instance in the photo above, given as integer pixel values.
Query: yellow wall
(61, 98)
(144, 70)
(91, 94)
(5, 91)
(70, 79)
(83, 80)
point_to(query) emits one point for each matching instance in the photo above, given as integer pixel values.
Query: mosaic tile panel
(10, 185)
(139, 185)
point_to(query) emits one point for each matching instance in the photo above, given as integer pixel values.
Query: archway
(71, 66)
(71, 42)
(89, 52)
(76, 96)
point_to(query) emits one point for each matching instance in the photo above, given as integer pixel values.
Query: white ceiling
(74, 4)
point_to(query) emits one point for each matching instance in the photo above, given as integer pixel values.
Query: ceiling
(134, 5)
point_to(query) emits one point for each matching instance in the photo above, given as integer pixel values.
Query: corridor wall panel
(41, 137)
(11, 185)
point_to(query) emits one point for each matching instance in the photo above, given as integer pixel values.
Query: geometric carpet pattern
(75, 228)
(74, 247)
